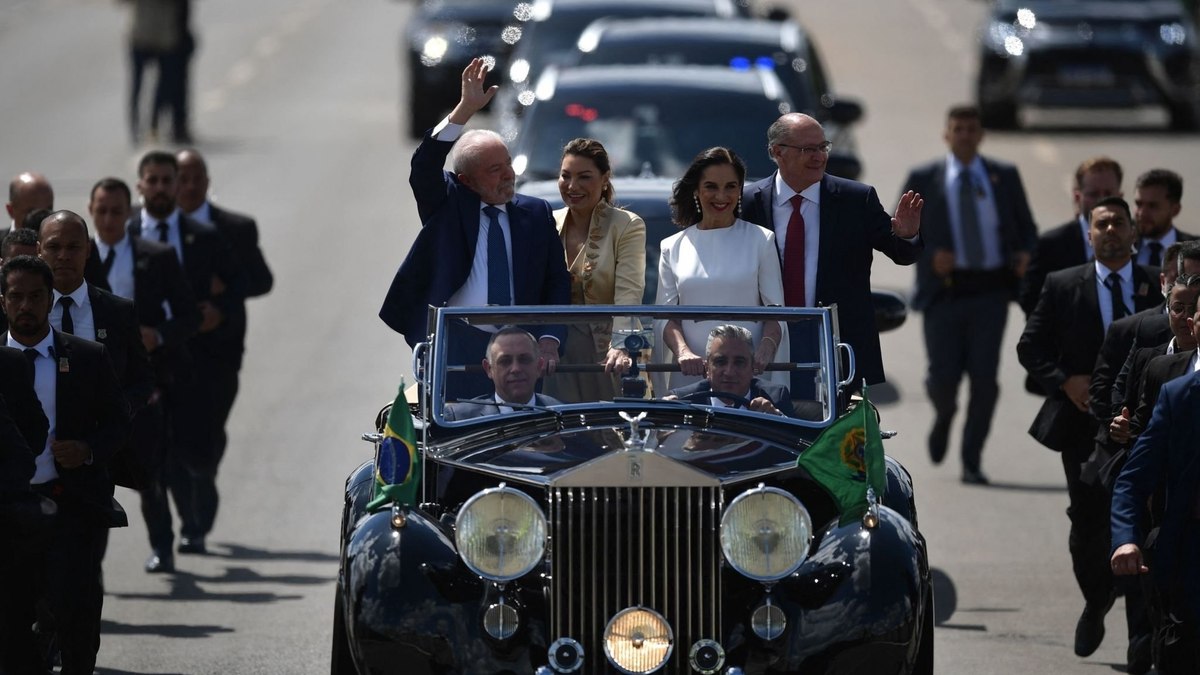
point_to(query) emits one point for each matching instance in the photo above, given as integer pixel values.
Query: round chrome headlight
(765, 533)
(638, 640)
(501, 534)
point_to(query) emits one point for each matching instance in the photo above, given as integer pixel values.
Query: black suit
(775, 393)
(1159, 371)
(193, 415)
(441, 258)
(965, 312)
(1057, 249)
(853, 225)
(1180, 236)
(457, 412)
(90, 407)
(1062, 338)
(1147, 328)
(22, 405)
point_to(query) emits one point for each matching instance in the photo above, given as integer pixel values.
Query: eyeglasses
(1180, 307)
(807, 150)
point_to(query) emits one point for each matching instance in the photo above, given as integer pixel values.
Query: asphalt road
(297, 110)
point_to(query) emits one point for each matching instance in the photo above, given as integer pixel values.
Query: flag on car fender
(847, 458)
(397, 464)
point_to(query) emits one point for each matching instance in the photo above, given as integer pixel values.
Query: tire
(341, 662)
(923, 664)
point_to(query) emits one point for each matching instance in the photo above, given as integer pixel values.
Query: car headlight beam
(501, 534)
(765, 533)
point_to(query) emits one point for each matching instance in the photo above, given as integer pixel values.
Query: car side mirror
(890, 310)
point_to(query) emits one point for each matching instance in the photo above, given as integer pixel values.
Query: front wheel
(923, 665)
(341, 662)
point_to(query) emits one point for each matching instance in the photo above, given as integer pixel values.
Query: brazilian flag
(847, 458)
(398, 464)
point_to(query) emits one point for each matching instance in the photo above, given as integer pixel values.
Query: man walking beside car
(979, 236)
(1058, 348)
(1156, 201)
(826, 229)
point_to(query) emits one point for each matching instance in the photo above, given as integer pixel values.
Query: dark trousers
(139, 59)
(197, 485)
(963, 336)
(1090, 534)
(21, 567)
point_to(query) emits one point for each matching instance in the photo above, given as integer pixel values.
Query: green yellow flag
(398, 463)
(847, 458)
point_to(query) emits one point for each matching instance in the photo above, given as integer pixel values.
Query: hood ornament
(635, 440)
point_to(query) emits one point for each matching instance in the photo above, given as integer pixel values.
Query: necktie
(499, 292)
(1156, 249)
(31, 354)
(68, 324)
(1113, 281)
(793, 257)
(968, 220)
(108, 261)
(162, 232)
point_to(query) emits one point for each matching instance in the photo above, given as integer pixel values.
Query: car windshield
(483, 363)
(647, 132)
(738, 55)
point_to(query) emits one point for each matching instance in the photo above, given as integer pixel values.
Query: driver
(512, 363)
(729, 369)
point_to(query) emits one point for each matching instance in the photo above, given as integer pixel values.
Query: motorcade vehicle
(641, 533)
(653, 120)
(740, 44)
(1089, 54)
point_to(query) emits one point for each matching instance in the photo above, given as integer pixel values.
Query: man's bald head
(28, 191)
(193, 179)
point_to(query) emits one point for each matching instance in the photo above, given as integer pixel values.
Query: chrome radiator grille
(613, 548)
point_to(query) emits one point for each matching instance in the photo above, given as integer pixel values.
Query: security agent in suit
(28, 191)
(1165, 457)
(147, 272)
(1058, 348)
(472, 227)
(218, 283)
(842, 223)
(94, 314)
(16, 242)
(88, 422)
(979, 235)
(513, 364)
(729, 368)
(1069, 244)
(1156, 200)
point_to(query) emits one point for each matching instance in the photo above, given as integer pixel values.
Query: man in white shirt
(1156, 200)
(513, 365)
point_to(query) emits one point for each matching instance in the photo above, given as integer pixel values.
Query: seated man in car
(512, 363)
(729, 369)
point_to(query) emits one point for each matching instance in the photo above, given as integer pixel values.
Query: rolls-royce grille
(613, 548)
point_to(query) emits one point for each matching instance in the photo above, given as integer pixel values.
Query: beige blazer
(613, 270)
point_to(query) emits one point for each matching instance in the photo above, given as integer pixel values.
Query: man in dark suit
(480, 243)
(729, 368)
(837, 224)
(513, 365)
(147, 272)
(1068, 244)
(218, 283)
(28, 191)
(1156, 200)
(1165, 457)
(979, 236)
(88, 422)
(1058, 348)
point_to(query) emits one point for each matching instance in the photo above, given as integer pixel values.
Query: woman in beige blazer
(606, 255)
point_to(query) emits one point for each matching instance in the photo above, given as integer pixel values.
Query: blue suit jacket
(1017, 229)
(1165, 454)
(853, 225)
(440, 259)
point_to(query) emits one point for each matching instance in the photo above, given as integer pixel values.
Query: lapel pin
(64, 366)
(1143, 289)
(101, 334)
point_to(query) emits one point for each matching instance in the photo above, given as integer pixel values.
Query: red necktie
(793, 257)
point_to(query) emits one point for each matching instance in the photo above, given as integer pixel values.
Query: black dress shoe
(939, 440)
(1089, 632)
(160, 564)
(974, 477)
(1138, 656)
(192, 545)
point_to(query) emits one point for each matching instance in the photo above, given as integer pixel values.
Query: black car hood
(1058, 11)
(597, 456)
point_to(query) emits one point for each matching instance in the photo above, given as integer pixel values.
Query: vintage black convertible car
(637, 534)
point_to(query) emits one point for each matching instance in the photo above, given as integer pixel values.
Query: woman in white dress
(718, 259)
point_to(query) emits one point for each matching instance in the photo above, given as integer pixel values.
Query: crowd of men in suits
(122, 347)
(1098, 344)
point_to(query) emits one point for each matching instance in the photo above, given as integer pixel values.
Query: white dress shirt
(81, 313)
(203, 213)
(1143, 251)
(810, 208)
(504, 406)
(45, 383)
(120, 277)
(1105, 296)
(985, 208)
(150, 231)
